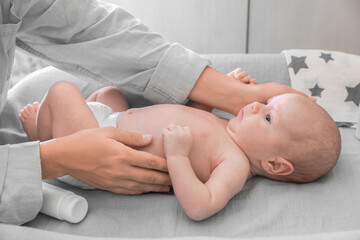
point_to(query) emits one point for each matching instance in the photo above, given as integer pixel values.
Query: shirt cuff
(20, 182)
(175, 75)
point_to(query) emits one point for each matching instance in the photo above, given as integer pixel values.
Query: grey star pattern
(297, 63)
(316, 90)
(344, 124)
(326, 57)
(353, 94)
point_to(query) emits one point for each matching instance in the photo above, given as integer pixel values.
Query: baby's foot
(27, 117)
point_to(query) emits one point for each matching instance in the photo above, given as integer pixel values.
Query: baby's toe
(21, 117)
(36, 106)
(24, 112)
(29, 109)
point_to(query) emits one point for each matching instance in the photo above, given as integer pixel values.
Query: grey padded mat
(325, 209)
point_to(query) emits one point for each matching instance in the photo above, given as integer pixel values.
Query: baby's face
(261, 129)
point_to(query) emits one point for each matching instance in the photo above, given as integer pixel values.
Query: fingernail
(146, 137)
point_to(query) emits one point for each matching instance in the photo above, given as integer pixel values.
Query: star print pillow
(333, 77)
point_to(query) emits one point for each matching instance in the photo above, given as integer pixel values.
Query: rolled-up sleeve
(175, 75)
(92, 40)
(20, 182)
(104, 42)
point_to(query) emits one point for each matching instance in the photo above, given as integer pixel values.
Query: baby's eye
(268, 118)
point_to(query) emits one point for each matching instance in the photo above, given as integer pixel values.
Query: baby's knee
(63, 88)
(110, 90)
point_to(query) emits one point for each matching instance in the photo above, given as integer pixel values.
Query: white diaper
(106, 118)
(104, 114)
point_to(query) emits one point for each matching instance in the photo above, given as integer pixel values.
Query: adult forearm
(51, 154)
(220, 91)
(139, 60)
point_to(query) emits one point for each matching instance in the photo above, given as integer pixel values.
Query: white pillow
(333, 77)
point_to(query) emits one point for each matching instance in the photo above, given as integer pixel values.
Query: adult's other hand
(103, 158)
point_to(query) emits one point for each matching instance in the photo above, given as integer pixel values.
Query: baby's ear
(277, 166)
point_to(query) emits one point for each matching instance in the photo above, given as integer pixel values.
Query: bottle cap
(73, 208)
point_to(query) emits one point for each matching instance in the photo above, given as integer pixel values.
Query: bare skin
(135, 177)
(211, 147)
(28, 117)
(200, 162)
(72, 115)
(119, 160)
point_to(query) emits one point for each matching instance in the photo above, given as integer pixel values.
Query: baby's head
(290, 138)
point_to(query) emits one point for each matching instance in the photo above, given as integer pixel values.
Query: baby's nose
(255, 107)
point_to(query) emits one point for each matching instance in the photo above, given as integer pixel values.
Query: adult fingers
(312, 98)
(147, 176)
(246, 79)
(297, 92)
(241, 75)
(133, 187)
(232, 74)
(147, 160)
(129, 138)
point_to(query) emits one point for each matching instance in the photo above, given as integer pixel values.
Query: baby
(290, 138)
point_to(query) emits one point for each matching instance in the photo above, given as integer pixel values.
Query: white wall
(222, 26)
(324, 24)
(204, 26)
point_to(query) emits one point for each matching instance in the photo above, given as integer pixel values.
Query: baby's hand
(241, 75)
(177, 140)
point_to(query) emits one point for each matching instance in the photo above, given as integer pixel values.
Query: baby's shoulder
(231, 153)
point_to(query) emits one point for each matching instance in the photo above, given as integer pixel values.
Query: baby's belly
(206, 130)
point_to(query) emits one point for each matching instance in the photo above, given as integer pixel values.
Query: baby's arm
(201, 200)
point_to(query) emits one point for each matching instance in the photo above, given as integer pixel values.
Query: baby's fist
(177, 140)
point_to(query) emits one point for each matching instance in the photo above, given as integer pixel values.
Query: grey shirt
(91, 40)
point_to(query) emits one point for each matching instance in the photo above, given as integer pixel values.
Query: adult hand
(268, 90)
(263, 92)
(260, 93)
(241, 75)
(230, 95)
(103, 158)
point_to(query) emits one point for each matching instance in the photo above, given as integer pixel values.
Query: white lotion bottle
(62, 204)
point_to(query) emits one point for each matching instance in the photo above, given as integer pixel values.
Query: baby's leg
(63, 111)
(110, 96)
